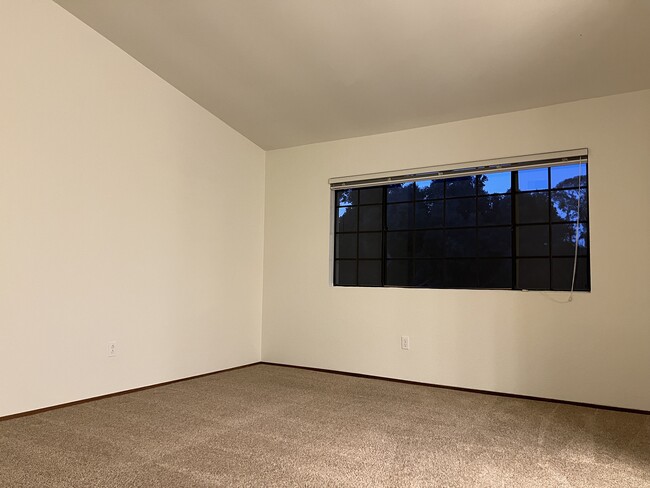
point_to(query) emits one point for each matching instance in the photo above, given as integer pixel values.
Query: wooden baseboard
(470, 390)
(331, 371)
(124, 392)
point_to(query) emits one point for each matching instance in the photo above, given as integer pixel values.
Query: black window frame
(554, 261)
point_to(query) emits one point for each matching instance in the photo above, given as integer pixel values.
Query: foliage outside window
(503, 230)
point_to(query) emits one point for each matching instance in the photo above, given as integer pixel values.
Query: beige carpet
(266, 426)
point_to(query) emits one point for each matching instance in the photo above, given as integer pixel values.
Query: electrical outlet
(406, 342)
(112, 349)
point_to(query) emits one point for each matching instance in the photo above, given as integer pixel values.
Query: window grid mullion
(514, 183)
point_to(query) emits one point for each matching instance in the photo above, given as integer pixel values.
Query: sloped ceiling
(292, 72)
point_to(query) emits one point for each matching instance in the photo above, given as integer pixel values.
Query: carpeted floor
(265, 425)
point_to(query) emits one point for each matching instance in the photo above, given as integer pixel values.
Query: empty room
(324, 243)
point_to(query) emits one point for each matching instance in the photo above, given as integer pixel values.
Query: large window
(498, 230)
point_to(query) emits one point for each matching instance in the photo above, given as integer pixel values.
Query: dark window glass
(429, 214)
(371, 195)
(460, 212)
(428, 244)
(494, 210)
(400, 193)
(461, 273)
(397, 272)
(495, 242)
(370, 273)
(429, 189)
(533, 274)
(502, 230)
(563, 242)
(532, 207)
(346, 246)
(399, 216)
(565, 205)
(345, 272)
(460, 243)
(370, 218)
(533, 240)
(464, 186)
(495, 273)
(533, 179)
(370, 245)
(562, 273)
(346, 220)
(428, 273)
(398, 244)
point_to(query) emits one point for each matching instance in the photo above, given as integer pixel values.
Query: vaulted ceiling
(292, 72)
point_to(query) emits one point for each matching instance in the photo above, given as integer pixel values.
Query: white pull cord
(577, 237)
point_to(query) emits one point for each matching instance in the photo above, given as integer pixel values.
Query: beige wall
(595, 349)
(130, 214)
(127, 213)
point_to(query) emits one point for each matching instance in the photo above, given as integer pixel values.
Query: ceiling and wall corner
(292, 72)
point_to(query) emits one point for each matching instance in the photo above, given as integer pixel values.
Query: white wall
(595, 349)
(127, 213)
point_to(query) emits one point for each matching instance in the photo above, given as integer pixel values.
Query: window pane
(345, 273)
(346, 221)
(370, 245)
(428, 244)
(460, 212)
(460, 243)
(495, 241)
(494, 183)
(371, 195)
(399, 216)
(562, 272)
(565, 205)
(346, 246)
(564, 239)
(494, 210)
(370, 273)
(533, 240)
(461, 273)
(397, 244)
(397, 272)
(533, 274)
(458, 232)
(429, 214)
(428, 273)
(461, 187)
(567, 176)
(429, 189)
(400, 193)
(533, 179)
(532, 207)
(495, 273)
(370, 218)
(347, 197)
